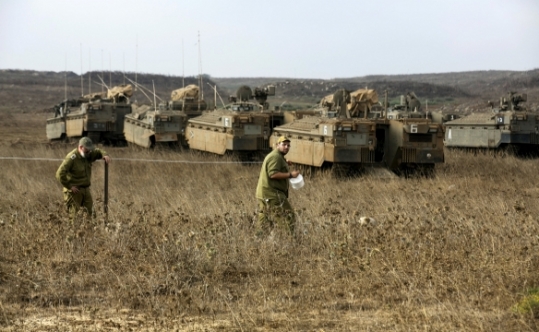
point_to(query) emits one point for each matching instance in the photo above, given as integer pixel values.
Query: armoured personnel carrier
(354, 132)
(242, 127)
(147, 127)
(416, 143)
(342, 136)
(56, 126)
(510, 125)
(97, 116)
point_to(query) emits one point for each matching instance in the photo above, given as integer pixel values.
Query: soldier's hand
(289, 163)
(107, 159)
(294, 174)
(74, 189)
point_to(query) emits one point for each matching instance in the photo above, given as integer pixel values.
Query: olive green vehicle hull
(494, 130)
(162, 127)
(316, 140)
(221, 131)
(414, 143)
(220, 143)
(148, 127)
(395, 144)
(56, 128)
(101, 121)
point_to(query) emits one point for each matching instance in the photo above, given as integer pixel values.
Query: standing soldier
(272, 189)
(75, 175)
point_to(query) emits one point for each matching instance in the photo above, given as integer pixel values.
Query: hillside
(436, 87)
(26, 90)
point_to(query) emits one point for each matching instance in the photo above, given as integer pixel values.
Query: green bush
(529, 303)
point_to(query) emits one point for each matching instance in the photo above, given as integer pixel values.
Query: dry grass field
(178, 251)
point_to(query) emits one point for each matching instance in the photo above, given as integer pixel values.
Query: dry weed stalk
(454, 252)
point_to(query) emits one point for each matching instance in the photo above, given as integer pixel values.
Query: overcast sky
(277, 38)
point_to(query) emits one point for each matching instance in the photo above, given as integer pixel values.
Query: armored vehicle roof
(211, 117)
(474, 118)
(309, 123)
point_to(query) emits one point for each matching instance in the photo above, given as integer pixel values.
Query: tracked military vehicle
(242, 127)
(342, 135)
(97, 116)
(56, 126)
(415, 141)
(166, 123)
(354, 132)
(509, 126)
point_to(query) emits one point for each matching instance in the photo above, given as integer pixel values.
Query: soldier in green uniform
(75, 175)
(272, 189)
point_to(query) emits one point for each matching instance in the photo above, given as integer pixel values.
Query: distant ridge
(36, 90)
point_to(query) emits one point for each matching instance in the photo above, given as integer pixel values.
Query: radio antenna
(142, 88)
(154, 102)
(124, 67)
(200, 84)
(102, 66)
(90, 71)
(65, 80)
(136, 64)
(183, 66)
(81, 78)
(110, 71)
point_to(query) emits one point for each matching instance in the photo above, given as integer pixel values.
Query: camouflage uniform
(272, 195)
(76, 171)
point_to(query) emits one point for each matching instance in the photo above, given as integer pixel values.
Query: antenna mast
(90, 71)
(81, 78)
(124, 68)
(385, 103)
(110, 72)
(154, 102)
(183, 66)
(201, 96)
(136, 64)
(102, 66)
(65, 80)
(183, 76)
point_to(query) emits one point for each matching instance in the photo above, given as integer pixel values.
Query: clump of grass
(451, 252)
(528, 304)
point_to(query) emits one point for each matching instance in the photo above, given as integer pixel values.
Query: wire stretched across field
(143, 160)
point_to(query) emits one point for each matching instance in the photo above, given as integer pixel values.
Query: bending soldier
(75, 175)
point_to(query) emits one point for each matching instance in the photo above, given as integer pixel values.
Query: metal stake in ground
(106, 200)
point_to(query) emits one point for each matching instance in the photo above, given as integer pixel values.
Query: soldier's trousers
(272, 212)
(81, 200)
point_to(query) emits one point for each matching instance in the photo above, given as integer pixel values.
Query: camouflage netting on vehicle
(140, 111)
(93, 96)
(362, 100)
(141, 108)
(368, 96)
(189, 91)
(124, 90)
(327, 100)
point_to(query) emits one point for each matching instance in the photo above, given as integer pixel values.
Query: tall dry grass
(179, 251)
